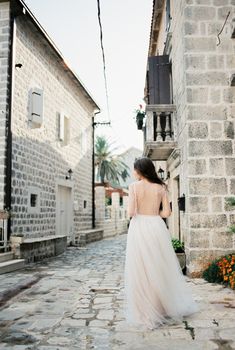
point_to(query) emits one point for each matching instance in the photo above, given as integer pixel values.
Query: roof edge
(28, 12)
(158, 7)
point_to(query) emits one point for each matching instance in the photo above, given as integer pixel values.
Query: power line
(103, 56)
(218, 35)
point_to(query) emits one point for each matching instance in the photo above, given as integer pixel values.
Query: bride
(156, 292)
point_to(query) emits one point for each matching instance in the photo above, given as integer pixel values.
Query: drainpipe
(93, 168)
(8, 149)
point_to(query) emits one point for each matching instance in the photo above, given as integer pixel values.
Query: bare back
(145, 198)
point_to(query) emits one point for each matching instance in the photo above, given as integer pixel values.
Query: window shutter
(61, 126)
(159, 80)
(168, 15)
(36, 106)
(66, 130)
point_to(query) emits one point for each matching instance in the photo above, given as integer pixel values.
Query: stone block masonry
(4, 86)
(39, 158)
(51, 125)
(202, 67)
(37, 249)
(209, 65)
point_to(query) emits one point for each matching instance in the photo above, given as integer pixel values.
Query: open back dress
(156, 291)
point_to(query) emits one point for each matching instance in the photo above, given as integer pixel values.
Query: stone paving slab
(78, 304)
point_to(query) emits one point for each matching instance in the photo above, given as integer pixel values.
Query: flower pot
(140, 124)
(4, 215)
(182, 259)
(140, 120)
(15, 242)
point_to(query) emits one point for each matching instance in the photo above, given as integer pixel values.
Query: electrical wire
(103, 57)
(218, 35)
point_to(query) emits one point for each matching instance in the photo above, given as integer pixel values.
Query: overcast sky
(73, 26)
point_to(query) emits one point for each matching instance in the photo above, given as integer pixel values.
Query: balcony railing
(159, 131)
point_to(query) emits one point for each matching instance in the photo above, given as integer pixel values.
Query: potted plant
(179, 250)
(140, 115)
(5, 213)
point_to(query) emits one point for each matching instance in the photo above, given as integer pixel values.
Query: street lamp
(161, 174)
(68, 177)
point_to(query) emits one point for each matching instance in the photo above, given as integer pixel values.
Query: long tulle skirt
(156, 291)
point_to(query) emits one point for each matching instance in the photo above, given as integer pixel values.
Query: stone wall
(210, 101)
(39, 159)
(175, 51)
(204, 124)
(115, 221)
(4, 86)
(33, 250)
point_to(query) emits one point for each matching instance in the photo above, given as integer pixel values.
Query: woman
(155, 288)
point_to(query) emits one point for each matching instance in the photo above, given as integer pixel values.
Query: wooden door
(64, 211)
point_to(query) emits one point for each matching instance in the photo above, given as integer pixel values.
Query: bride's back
(148, 197)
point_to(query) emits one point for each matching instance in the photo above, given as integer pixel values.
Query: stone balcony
(159, 139)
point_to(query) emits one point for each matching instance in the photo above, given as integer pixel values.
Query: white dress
(156, 291)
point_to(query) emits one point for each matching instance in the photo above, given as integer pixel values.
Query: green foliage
(231, 229)
(108, 201)
(231, 201)
(212, 273)
(110, 167)
(177, 245)
(221, 270)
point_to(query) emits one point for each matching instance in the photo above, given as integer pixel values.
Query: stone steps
(6, 256)
(11, 265)
(88, 236)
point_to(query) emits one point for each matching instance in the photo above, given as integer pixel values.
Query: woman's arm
(166, 209)
(131, 201)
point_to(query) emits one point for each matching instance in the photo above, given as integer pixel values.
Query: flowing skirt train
(156, 291)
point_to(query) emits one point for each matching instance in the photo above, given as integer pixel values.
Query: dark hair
(145, 167)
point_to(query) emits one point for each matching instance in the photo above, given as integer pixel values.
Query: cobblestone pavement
(78, 304)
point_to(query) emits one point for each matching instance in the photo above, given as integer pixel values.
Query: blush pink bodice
(145, 198)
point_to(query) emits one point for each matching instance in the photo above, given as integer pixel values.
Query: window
(64, 129)
(36, 107)
(33, 200)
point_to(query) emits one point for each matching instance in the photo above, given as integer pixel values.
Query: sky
(73, 26)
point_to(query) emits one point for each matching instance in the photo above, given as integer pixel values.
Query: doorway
(64, 212)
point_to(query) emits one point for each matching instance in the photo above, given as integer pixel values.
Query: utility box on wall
(181, 203)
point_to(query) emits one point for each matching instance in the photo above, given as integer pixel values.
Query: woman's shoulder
(132, 184)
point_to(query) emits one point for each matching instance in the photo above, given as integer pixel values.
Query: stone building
(111, 219)
(190, 97)
(128, 157)
(46, 138)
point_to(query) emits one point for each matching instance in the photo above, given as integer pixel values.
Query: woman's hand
(166, 208)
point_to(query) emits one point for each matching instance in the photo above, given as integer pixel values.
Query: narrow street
(77, 303)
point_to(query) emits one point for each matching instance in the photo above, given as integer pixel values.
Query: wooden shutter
(159, 76)
(36, 106)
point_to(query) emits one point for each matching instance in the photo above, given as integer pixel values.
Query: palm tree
(109, 166)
